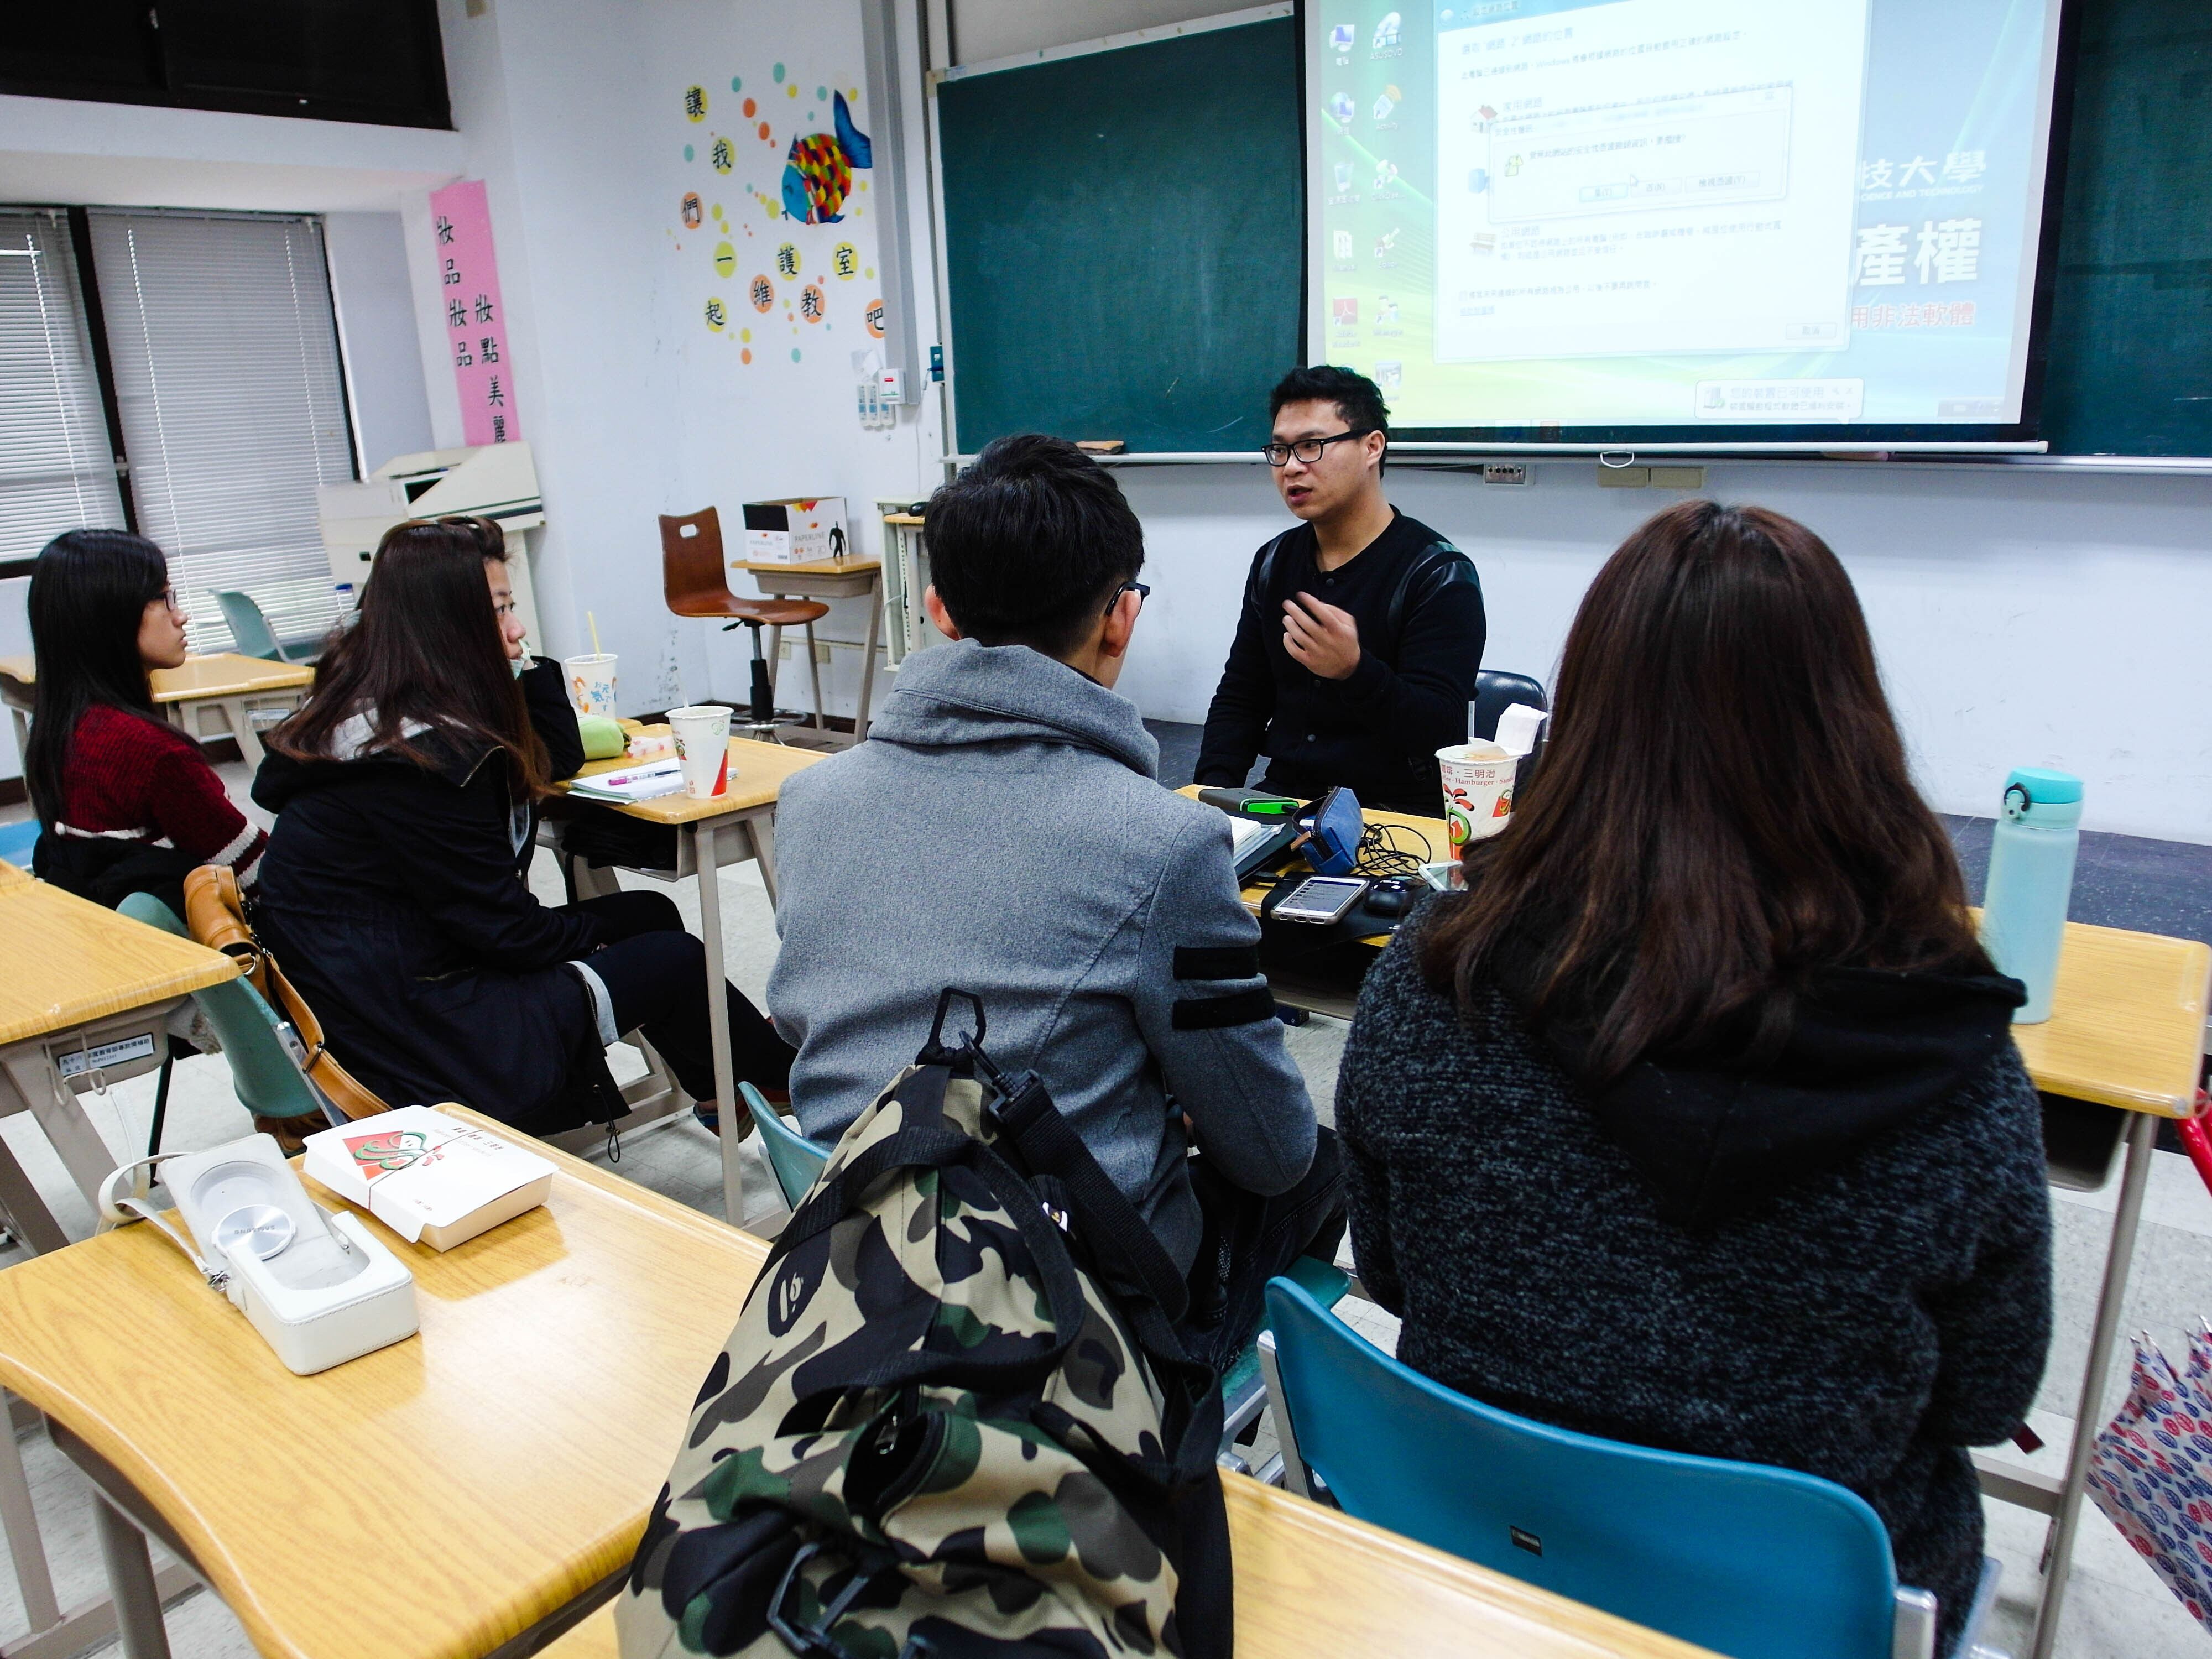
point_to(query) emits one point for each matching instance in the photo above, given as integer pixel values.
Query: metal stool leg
(764, 688)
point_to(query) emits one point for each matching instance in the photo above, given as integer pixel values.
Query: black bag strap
(1124, 1248)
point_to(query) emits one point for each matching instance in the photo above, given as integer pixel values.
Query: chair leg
(1279, 1414)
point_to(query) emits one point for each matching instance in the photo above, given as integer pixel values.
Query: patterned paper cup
(592, 682)
(703, 743)
(1477, 790)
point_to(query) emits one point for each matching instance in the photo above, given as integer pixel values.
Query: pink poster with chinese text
(476, 318)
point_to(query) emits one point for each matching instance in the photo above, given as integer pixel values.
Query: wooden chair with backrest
(692, 576)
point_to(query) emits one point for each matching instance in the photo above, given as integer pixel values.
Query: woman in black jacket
(1696, 1122)
(394, 888)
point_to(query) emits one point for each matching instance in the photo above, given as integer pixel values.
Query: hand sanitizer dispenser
(318, 1286)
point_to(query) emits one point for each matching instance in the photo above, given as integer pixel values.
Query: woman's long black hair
(426, 649)
(89, 591)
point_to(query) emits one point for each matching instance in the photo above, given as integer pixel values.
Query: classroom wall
(375, 302)
(573, 111)
(2025, 618)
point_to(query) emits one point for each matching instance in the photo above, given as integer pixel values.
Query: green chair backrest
(795, 1159)
(262, 1072)
(249, 629)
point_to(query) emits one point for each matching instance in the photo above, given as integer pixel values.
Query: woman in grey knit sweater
(1696, 1122)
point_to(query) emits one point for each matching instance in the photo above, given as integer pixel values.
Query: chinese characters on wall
(476, 316)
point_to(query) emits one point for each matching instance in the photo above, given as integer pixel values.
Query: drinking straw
(594, 621)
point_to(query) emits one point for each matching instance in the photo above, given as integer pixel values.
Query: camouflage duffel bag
(954, 1421)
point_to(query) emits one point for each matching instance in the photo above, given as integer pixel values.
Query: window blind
(57, 472)
(226, 363)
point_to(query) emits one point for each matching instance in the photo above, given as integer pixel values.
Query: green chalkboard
(2131, 342)
(1124, 240)
(1124, 234)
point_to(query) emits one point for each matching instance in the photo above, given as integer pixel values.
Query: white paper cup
(1477, 790)
(703, 743)
(592, 682)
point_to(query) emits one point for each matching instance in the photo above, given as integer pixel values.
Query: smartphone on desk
(1322, 899)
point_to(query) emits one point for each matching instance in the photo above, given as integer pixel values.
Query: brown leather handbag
(214, 911)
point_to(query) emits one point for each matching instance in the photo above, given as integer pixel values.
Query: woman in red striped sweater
(126, 803)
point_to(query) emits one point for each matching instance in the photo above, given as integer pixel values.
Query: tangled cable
(1380, 854)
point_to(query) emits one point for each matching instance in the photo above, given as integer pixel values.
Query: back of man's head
(1027, 546)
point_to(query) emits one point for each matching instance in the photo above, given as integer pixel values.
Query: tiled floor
(2116, 1609)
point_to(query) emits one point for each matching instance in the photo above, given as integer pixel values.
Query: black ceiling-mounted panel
(378, 61)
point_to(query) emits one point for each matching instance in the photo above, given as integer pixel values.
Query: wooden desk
(84, 993)
(1313, 1584)
(825, 579)
(748, 806)
(475, 1480)
(1336, 1000)
(13, 879)
(224, 681)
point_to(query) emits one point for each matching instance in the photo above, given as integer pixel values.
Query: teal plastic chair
(1747, 1559)
(795, 1159)
(249, 630)
(16, 841)
(267, 1081)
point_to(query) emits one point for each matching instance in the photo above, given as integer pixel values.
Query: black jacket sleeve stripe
(1217, 961)
(1212, 1013)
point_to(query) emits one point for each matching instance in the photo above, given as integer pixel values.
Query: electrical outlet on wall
(785, 654)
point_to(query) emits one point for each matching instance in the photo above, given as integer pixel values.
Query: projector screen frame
(1856, 440)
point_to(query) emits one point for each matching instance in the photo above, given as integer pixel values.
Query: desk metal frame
(813, 583)
(176, 708)
(701, 853)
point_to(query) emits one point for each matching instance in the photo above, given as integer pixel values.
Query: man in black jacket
(1362, 629)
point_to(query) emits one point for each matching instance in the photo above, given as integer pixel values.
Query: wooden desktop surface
(2127, 1023)
(225, 674)
(810, 566)
(756, 774)
(428, 1501)
(64, 960)
(13, 879)
(1313, 1584)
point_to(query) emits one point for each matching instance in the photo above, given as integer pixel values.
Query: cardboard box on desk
(430, 1179)
(797, 531)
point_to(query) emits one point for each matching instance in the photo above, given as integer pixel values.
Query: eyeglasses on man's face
(1114, 598)
(1307, 451)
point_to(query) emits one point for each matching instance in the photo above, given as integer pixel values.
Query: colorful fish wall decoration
(817, 174)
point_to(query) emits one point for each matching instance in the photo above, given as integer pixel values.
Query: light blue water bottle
(2031, 879)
